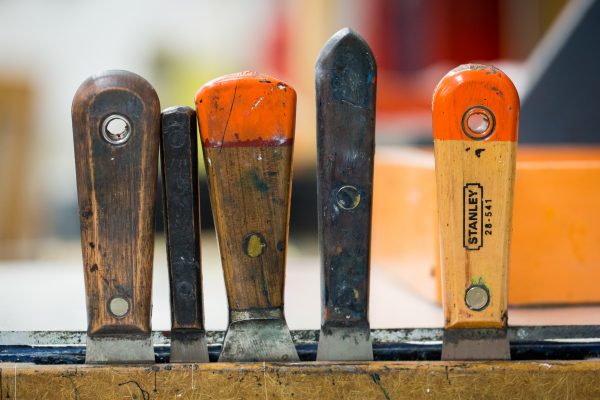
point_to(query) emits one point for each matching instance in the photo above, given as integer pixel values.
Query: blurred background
(549, 48)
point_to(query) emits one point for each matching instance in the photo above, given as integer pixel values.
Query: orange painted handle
(473, 91)
(261, 110)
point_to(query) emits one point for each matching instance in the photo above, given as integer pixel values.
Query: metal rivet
(477, 297)
(478, 122)
(347, 197)
(116, 129)
(118, 306)
(254, 244)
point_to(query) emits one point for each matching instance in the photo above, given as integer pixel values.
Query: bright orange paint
(246, 109)
(473, 88)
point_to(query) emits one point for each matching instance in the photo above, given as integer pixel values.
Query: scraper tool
(475, 119)
(346, 83)
(181, 199)
(116, 123)
(247, 125)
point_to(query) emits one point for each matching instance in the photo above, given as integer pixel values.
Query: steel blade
(188, 347)
(258, 340)
(119, 350)
(345, 344)
(475, 344)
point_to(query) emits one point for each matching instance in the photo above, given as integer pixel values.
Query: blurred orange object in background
(556, 224)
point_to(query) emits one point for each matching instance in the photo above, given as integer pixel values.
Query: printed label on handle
(473, 216)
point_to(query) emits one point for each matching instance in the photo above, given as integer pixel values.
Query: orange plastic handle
(475, 89)
(263, 123)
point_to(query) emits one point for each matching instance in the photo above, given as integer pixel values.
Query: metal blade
(188, 347)
(475, 344)
(119, 350)
(345, 344)
(258, 340)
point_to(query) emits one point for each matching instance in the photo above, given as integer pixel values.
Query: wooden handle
(247, 128)
(475, 119)
(346, 83)
(116, 120)
(179, 162)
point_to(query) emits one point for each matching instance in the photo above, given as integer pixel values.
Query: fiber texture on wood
(247, 127)
(375, 380)
(116, 185)
(475, 179)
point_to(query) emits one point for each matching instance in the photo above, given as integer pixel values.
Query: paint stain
(254, 245)
(259, 183)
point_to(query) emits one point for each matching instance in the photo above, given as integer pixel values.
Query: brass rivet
(347, 197)
(254, 244)
(477, 297)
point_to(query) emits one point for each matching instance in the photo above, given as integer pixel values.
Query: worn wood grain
(250, 189)
(116, 187)
(328, 381)
(475, 172)
(247, 128)
(493, 173)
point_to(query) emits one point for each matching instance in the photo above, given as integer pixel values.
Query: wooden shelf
(374, 380)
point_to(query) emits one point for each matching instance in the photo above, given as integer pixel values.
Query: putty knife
(116, 123)
(475, 120)
(247, 125)
(181, 199)
(346, 83)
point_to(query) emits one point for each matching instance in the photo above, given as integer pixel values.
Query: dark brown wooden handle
(346, 83)
(116, 122)
(247, 127)
(179, 162)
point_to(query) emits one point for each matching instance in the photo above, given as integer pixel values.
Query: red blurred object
(410, 35)
(278, 42)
